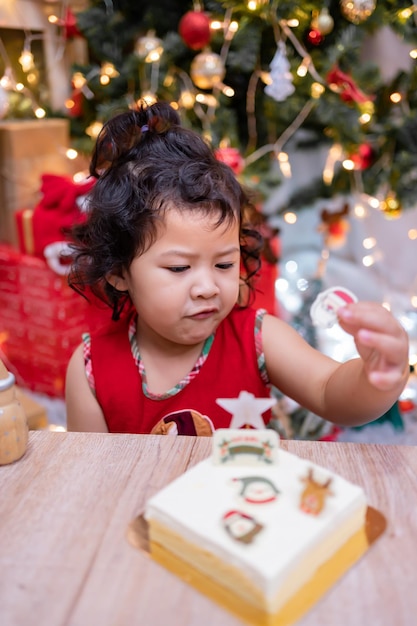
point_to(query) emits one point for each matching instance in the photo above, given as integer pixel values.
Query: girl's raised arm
(351, 393)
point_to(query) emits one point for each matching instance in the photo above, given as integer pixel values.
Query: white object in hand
(324, 309)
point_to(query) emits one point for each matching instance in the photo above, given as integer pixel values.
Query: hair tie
(144, 128)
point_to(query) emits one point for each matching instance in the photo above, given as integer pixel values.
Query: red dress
(231, 366)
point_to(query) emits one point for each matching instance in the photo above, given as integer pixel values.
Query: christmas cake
(258, 529)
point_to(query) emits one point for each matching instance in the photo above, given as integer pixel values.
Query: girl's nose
(204, 285)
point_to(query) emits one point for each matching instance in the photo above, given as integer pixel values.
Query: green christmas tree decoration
(340, 96)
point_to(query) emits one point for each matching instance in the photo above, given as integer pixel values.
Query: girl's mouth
(202, 315)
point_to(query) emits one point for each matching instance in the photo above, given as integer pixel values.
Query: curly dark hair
(146, 162)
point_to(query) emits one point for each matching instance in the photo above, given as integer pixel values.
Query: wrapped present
(43, 230)
(41, 321)
(28, 148)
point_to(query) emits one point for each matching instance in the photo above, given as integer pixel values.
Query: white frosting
(194, 504)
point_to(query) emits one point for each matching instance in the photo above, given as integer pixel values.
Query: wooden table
(65, 508)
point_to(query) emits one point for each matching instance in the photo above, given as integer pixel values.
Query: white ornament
(324, 22)
(281, 78)
(246, 409)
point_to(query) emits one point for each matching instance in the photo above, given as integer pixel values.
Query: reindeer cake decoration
(314, 494)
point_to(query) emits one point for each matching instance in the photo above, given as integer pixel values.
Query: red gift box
(59, 208)
(41, 321)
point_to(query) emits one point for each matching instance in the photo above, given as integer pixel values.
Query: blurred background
(313, 105)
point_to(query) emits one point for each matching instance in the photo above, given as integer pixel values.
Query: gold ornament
(357, 11)
(149, 47)
(207, 70)
(391, 206)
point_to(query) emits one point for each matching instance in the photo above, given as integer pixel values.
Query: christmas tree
(250, 75)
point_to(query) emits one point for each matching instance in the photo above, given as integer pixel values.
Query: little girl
(168, 246)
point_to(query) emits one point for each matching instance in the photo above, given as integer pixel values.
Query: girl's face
(187, 282)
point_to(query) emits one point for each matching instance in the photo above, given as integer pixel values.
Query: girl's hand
(381, 342)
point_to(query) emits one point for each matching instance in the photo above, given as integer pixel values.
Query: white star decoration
(246, 409)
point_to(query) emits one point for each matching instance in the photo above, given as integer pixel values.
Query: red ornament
(70, 25)
(232, 158)
(406, 405)
(363, 157)
(194, 28)
(315, 37)
(344, 84)
(74, 104)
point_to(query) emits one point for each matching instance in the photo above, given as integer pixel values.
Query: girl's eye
(177, 268)
(224, 266)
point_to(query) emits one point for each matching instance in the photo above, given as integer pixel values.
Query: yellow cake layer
(237, 578)
(239, 603)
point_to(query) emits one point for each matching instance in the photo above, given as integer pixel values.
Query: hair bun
(124, 132)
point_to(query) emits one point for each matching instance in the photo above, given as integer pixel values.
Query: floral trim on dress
(139, 363)
(260, 313)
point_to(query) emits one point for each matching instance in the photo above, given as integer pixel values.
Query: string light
(406, 13)
(187, 99)
(317, 90)
(302, 68)
(368, 260)
(228, 91)
(265, 78)
(79, 177)
(78, 80)
(108, 69)
(26, 60)
(334, 155)
(69, 104)
(284, 164)
(395, 97)
(365, 118)
(348, 164)
(7, 80)
(290, 217)
(207, 99)
(149, 98)
(71, 154)
(255, 5)
(153, 56)
(94, 129)
(369, 243)
(359, 211)
(32, 78)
